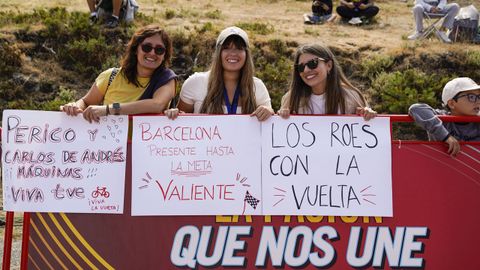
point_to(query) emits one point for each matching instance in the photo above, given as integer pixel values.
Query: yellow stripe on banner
(55, 239)
(47, 245)
(84, 242)
(79, 252)
(33, 261)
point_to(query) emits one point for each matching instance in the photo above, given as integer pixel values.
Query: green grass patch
(257, 28)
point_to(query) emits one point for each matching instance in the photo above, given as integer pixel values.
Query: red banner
(435, 226)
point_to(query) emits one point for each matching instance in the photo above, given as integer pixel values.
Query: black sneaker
(93, 19)
(2, 223)
(112, 22)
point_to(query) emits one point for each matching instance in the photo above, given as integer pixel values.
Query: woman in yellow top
(143, 84)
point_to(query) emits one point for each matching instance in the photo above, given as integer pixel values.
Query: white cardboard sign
(196, 165)
(327, 166)
(52, 162)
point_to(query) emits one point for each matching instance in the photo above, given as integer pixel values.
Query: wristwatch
(116, 108)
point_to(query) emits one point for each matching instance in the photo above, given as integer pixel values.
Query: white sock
(93, 14)
(116, 17)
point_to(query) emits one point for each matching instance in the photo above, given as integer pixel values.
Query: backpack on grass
(465, 26)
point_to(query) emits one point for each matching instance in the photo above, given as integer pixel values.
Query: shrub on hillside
(258, 28)
(89, 57)
(273, 65)
(395, 92)
(371, 67)
(11, 59)
(63, 96)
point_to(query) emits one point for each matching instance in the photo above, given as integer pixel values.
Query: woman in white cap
(460, 97)
(229, 87)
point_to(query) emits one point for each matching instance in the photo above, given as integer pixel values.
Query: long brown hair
(336, 88)
(214, 101)
(129, 59)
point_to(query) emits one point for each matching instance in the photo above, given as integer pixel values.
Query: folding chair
(433, 21)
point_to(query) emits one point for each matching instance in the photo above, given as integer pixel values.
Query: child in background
(460, 97)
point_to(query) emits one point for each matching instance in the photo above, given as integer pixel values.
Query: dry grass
(394, 22)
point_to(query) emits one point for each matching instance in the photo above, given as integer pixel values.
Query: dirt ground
(394, 21)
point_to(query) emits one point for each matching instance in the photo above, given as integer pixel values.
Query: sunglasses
(471, 97)
(312, 64)
(147, 47)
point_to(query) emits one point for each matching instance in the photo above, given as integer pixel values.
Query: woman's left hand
(94, 112)
(262, 113)
(366, 112)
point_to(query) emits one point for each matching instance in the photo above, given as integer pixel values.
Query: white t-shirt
(194, 91)
(317, 105)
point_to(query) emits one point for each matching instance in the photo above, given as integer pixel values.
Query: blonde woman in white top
(229, 87)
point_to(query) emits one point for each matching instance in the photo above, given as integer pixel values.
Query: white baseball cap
(231, 31)
(457, 85)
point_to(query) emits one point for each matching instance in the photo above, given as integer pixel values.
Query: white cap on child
(231, 31)
(457, 85)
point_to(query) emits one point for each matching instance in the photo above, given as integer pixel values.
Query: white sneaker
(355, 20)
(415, 36)
(443, 36)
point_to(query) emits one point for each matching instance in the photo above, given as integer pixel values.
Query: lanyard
(231, 108)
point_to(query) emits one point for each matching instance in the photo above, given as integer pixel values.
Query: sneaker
(415, 36)
(443, 36)
(112, 22)
(355, 20)
(307, 19)
(93, 19)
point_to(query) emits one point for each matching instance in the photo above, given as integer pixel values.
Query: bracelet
(107, 110)
(84, 103)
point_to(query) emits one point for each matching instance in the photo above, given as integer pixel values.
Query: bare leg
(117, 4)
(91, 5)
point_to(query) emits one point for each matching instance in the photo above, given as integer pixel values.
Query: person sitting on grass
(113, 11)
(436, 7)
(461, 97)
(321, 12)
(357, 11)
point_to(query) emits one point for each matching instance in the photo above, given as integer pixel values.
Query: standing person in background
(229, 87)
(319, 86)
(143, 84)
(460, 97)
(435, 7)
(357, 11)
